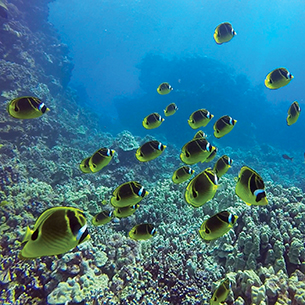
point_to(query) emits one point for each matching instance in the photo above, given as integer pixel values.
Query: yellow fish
(200, 118)
(128, 194)
(125, 211)
(196, 150)
(202, 188)
(102, 218)
(217, 225)
(221, 293)
(224, 32)
(164, 88)
(250, 187)
(100, 159)
(150, 151)
(56, 231)
(26, 107)
(170, 109)
(222, 165)
(293, 113)
(142, 231)
(223, 126)
(182, 174)
(152, 121)
(278, 78)
(84, 166)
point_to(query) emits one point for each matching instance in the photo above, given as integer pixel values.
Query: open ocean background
(109, 40)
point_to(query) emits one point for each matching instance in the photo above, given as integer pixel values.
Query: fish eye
(207, 231)
(195, 194)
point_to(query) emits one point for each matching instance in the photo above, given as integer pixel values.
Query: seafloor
(263, 255)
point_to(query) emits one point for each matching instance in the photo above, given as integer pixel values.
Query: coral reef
(263, 254)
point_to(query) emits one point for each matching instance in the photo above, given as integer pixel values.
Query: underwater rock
(126, 141)
(296, 251)
(258, 295)
(297, 287)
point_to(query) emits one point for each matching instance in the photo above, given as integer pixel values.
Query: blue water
(109, 39)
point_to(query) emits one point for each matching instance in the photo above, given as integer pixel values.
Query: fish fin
(27, 234)
(221, 186)
(249, 204)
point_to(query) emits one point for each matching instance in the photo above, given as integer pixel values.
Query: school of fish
(60, 229)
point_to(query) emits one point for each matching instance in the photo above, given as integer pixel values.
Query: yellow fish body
(26, 107)
(224, 32)
(196, 150)
(150, 151)
(200, 134)
(152, 121)
(293, 113)
(56, 231)
(223, 126)
(128, 194)
(200, 118)
(212, 155)
(250, 187)
(221, 293)
(222, 165)
(100, 159)
(84, 166)
(125, 211)
(102, 218)
(278, 78)
(142, 231)
(170, 109)
(164, 88)
(202, 188)
(217, 225)
(182, 174)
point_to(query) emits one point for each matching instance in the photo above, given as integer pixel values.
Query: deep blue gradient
(109, 39)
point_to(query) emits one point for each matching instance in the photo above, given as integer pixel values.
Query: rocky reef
(263, 255)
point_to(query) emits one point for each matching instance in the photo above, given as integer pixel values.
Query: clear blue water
(109, 39)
